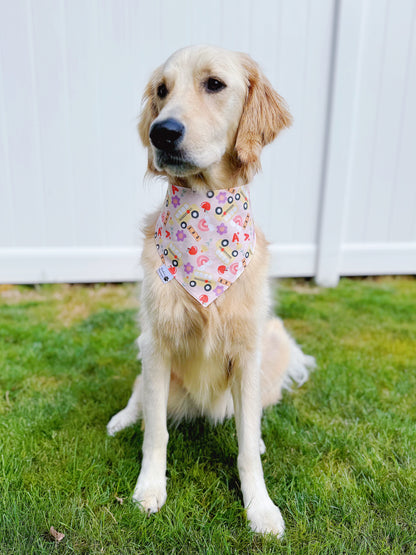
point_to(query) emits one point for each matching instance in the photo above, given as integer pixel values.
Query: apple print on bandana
(205, 239)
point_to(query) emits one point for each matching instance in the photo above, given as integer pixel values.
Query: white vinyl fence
(337, 195)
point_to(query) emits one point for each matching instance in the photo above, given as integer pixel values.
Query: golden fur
(229, 357)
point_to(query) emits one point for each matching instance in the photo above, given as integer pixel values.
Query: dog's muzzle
(167, 135)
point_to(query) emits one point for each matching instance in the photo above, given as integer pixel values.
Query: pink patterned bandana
(205, 239)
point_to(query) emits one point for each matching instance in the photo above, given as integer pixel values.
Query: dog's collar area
(205, 239)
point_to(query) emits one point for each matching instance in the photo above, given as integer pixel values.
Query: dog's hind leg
(283, 363)
(180, 406)
(131, 413)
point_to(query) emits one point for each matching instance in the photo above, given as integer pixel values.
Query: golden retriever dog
(206, 116)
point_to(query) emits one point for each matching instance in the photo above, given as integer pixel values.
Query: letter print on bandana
(205, 238)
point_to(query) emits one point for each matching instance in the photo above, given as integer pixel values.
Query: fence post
(348, 17)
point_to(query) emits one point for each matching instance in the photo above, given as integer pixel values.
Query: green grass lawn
(341, 450)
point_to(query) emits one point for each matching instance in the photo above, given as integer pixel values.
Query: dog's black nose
(167, 134)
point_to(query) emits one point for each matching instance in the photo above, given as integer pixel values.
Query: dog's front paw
(265, 518)
(150, 498)
(121, 420)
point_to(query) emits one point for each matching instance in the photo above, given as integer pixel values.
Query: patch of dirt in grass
(299, 285)
(79, 302)
(14, 294)
(70, 304)
(306, 289)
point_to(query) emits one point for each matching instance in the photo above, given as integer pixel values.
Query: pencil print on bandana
(205, 239)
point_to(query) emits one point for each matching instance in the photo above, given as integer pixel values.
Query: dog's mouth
(174, 162)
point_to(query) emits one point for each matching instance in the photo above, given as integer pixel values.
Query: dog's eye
(214, 85)
(162, 90)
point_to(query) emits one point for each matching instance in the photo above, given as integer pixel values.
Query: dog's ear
(264, 115)
(148, 113)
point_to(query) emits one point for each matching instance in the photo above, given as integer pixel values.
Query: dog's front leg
(262, 513)
(150, 491)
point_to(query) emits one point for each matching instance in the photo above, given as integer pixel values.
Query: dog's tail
(283, 363)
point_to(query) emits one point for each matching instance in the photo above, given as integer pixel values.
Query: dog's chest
(205, 378)
(198, 346)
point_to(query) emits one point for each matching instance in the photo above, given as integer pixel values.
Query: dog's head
(207, 106)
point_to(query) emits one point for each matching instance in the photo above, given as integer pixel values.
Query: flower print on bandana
(218, 290)
(188, 268)
(176, 201)
(221, 229)
(206, 239)
(180, 235)
(221, 197)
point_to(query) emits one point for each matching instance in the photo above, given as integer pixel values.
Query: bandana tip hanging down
(205, 239)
